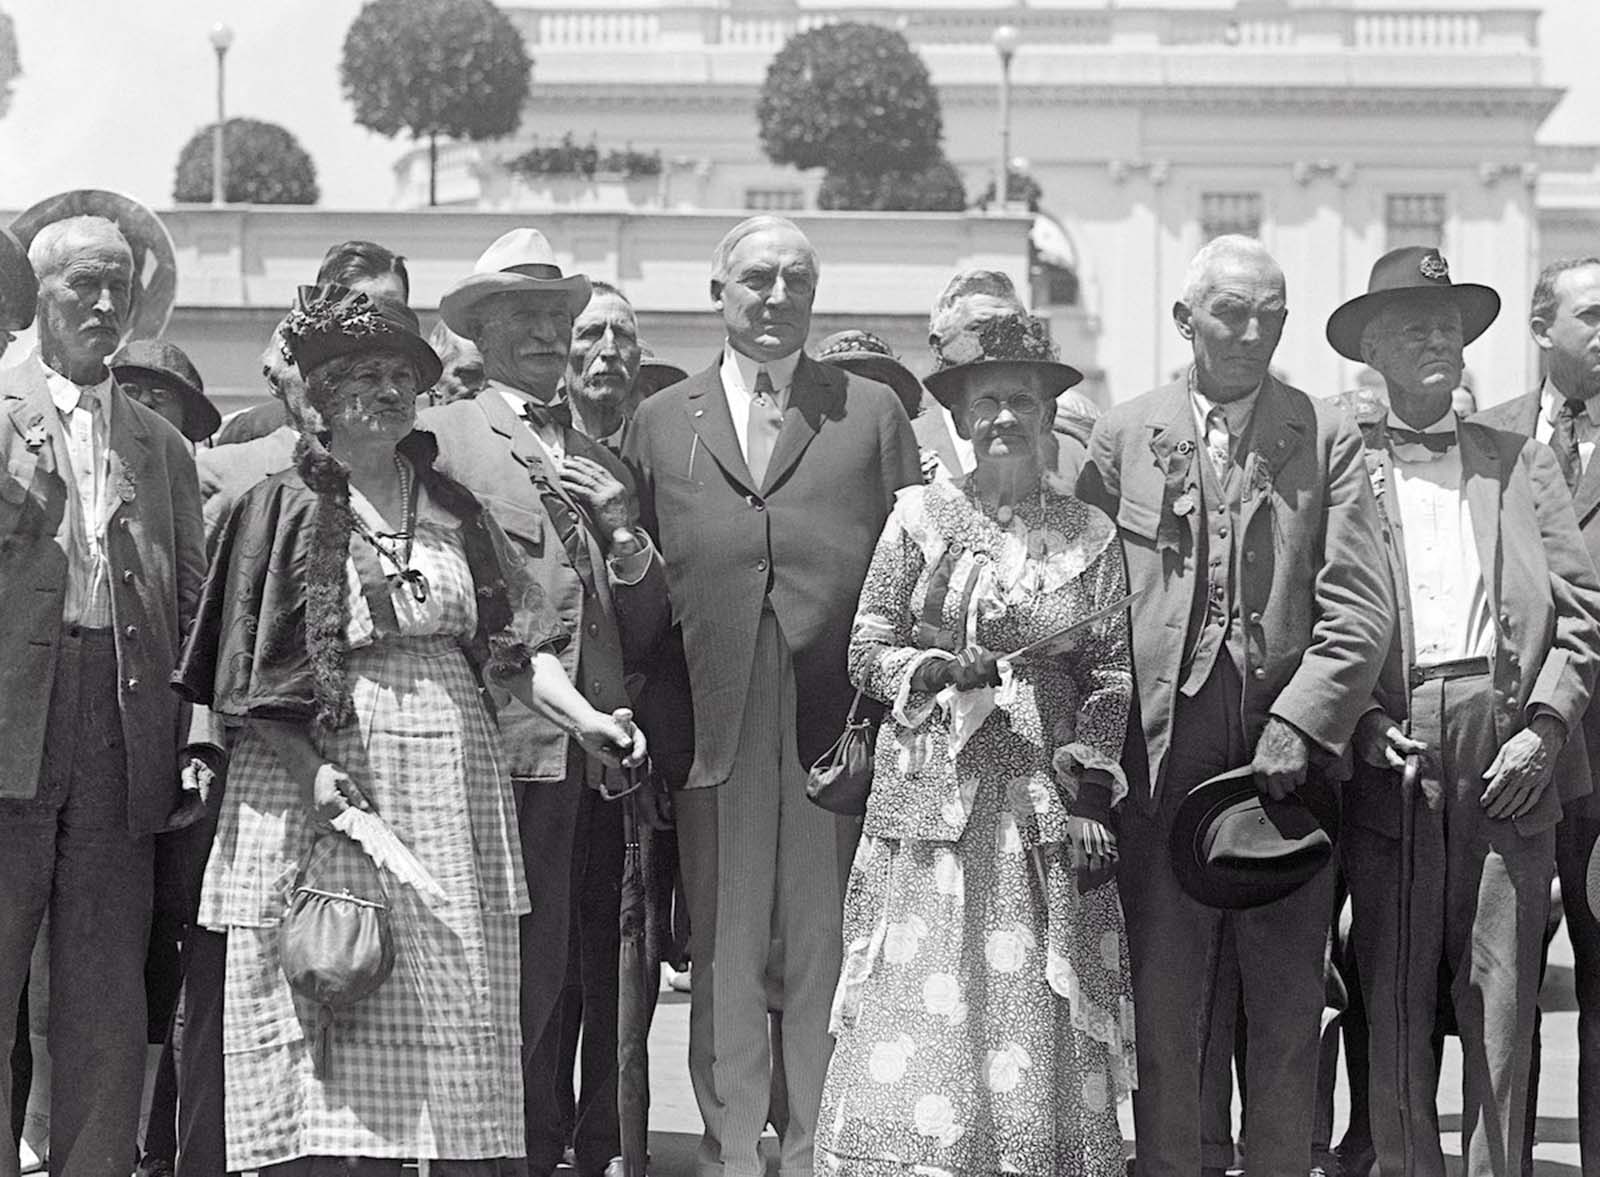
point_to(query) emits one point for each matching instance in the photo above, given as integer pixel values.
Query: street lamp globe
(1005, 39)
(221, 37)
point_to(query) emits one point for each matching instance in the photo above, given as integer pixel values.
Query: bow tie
(556, 413)
(1434, 443)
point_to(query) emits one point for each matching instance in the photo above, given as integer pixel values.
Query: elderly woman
(354, 606)
(983, 1016)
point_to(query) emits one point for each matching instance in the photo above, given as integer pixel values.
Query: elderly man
(767, 479)
(101, 554)
(603, 366)
(1564, 413)
(569, 505)
(1249, 528)
(1452, 815)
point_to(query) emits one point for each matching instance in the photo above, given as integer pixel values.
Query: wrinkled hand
(1381, 743)
(606, 498)
(332, 792)
(1281, 759)
(202, 770)
(1521, 770)
(1094, 847)
(613, 738)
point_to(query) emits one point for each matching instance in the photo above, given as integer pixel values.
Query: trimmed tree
(856, 101)
(10, 61)
(934, 189)
(452, 68)
(265, 165)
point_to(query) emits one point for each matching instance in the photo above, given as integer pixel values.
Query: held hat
(1592, 881)
(166, 364)
(1011, 341)
(520, 260)
(865, 354)
(332, 321)
(1406, 273)
(155, 263)
(655, 374)
(1234, 847)
(19, 290)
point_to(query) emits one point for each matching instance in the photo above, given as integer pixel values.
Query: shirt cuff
(629, 570)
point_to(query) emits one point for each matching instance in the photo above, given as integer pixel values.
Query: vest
(1214, 621)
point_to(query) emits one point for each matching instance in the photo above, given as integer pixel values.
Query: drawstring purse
(336, 947)
(841, 779)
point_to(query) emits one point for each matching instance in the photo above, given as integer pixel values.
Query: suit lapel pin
(125, 486)
(1183, 505)
(1186, 448)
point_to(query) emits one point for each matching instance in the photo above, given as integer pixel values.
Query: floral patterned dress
(984, 1017)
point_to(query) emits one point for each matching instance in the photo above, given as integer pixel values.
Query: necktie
(1434, 443)
(1564, 440)
(766, 420)
(88, 400)
(1219, 440)
(552, 414)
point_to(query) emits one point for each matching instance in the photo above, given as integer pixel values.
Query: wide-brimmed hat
(1010, 341)
(655, 374)
(166, 364)
(1406, 273)
(332, 321)
(19, 291)
(1233, 847)
(521, 260)
(866, 355)
(155, 263)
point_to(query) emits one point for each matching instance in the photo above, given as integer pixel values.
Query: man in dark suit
(101, 560)
(1499, 638)
(1564, 413)
(568, 504)
(766, 479)
(1248, 524)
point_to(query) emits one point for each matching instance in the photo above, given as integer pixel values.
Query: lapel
(127, 448)
(504, 420)
(811, 393)
(1276, 435)
(1174, 448)
(1380, 471)
(707, 408)
(1484, 472)
(31, 410)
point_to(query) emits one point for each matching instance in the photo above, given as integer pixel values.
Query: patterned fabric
(984, 1016)
(429, 1065)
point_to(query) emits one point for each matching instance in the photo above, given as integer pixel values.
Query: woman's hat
(19, 290)
(155, 263)
(1406, 273)
(166, 364)
(1013, 341)
(1233, 847)
(332, 321)
(521, 260)
(866, 355)
(655, 374)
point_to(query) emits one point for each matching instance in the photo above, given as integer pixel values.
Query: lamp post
(1005, 40)
(221, 39)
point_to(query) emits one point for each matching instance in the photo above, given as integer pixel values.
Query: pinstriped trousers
(764, 873)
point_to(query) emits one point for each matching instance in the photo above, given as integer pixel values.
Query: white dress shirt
(1235, 415)
(88, 598)
(1450, 615)
(1586, 426)
(739, 386)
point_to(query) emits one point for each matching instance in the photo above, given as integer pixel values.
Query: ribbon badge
(36, 436)
(1177, 500)
(127, 490)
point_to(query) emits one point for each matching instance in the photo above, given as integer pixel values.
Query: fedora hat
(520, 260)
(1018, 341)
(19, 291)
(1234, 847)
(866, 355)
(166, 364)
(1406, 273)
(332, 321)
(155, 263)
(655, 374)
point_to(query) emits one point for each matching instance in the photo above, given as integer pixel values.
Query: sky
(111, 90)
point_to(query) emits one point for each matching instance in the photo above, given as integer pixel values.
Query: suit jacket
(802, 539)
(1316, 608)
(156, 548)
(228, 471)
(487, 448)
(1520, 416)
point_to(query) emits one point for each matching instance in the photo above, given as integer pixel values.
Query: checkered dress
(430, 1064)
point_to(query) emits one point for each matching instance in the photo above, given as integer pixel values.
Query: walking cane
(1410, 778)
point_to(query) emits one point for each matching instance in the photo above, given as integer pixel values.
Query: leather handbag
(336, 947)
(841, 779)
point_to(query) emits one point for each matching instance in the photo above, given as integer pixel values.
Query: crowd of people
(1208, 733)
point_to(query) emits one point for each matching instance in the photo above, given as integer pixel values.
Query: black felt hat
(166, 363)
(332, 321)
(19, 290)
(1403, 274)
(1234, 847)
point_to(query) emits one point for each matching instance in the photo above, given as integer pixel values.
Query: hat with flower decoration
(1410, 272)
(1013, 341)
(332, 321)
(865, 354)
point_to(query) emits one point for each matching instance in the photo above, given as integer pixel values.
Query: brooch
(1186, 448)
(36, 436)
(1183, 505)
(125, 486)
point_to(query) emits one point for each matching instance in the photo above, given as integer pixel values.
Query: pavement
(675, 1121)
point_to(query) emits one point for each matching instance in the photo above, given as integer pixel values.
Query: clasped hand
(606, 498)
(1094, 846)
(970, 670)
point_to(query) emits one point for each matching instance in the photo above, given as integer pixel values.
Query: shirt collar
(65, 394)
(1550, 402)
(1236, 412)
(1445, 424)
(780, 371)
